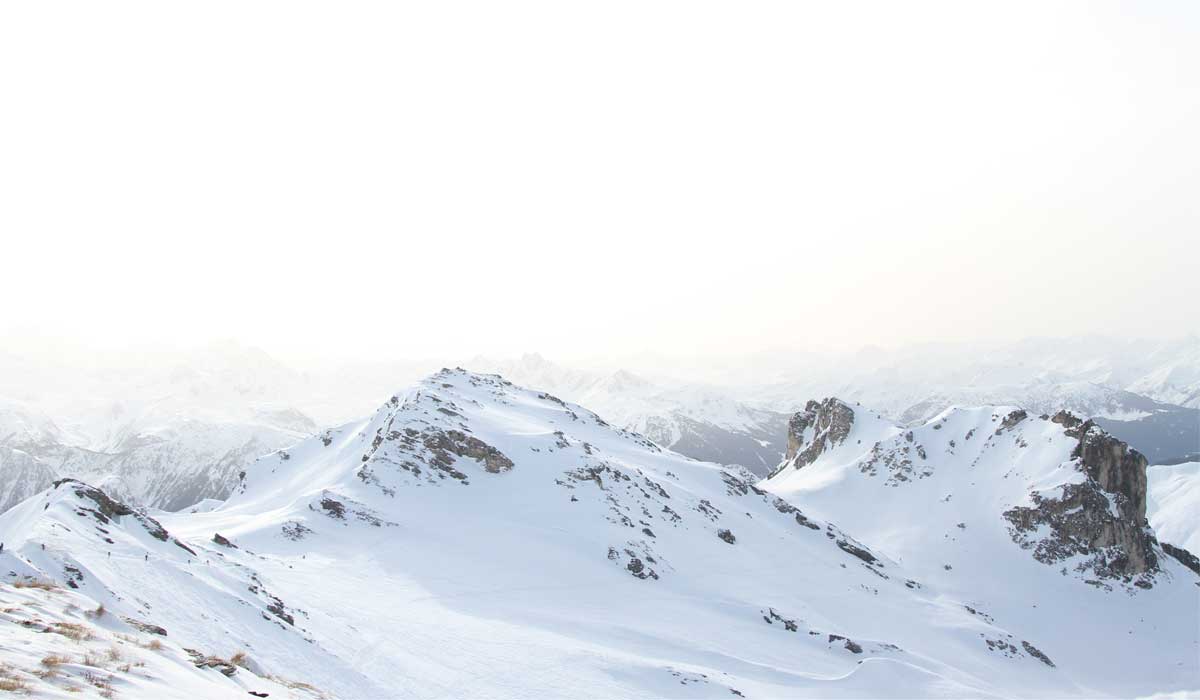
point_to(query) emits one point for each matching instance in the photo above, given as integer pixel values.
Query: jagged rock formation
(820, 426)
(1101, 519)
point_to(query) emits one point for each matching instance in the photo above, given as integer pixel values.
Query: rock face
(819, 426)
(1183, 556)
(1102, 519)
(107, 509)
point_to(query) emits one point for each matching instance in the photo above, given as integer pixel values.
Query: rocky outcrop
(820, 426)
(105, 509)
(1011, 420)
(1101, 520)
(1183, 556)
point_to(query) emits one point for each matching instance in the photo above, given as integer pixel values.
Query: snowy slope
(475, 539)
(1174, 504)
(996, 507)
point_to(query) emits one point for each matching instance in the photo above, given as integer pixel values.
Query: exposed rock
(1037, 654)
(1067, 420)
(221, 540)
(276, 608)
(859, 552)
(1183, 557)
(107, 509)
(1011, 420)
(72, 576)
(633, 563)
(1102, 519)
(851, 645)
(334, 509)
(443, 443)
(295, 531)
(145, 627)
(829, 420)
(200, 660)
(772, 617)
(727, 536)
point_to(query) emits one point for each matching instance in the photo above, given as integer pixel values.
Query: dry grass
(154, 645)
(53, 660)
(239, 659)
(34, 583)
(13, 685)
(91, 660)
(98, 613)
(72, 630)
(10, 681)
(103, 683)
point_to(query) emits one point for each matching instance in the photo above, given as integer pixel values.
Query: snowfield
(473, 538)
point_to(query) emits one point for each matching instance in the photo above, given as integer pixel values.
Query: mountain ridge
(499, 540)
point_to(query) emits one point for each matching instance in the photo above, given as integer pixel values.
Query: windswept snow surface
(476, 539)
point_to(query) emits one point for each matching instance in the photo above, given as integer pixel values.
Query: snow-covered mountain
(472, 538)
(698, 421)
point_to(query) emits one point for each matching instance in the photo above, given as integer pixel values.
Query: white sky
(351, 179)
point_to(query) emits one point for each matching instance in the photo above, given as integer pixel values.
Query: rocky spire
(820, 426)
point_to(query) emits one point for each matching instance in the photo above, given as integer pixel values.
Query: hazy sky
(361, 179)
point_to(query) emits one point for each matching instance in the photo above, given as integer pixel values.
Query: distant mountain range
(168, 431)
